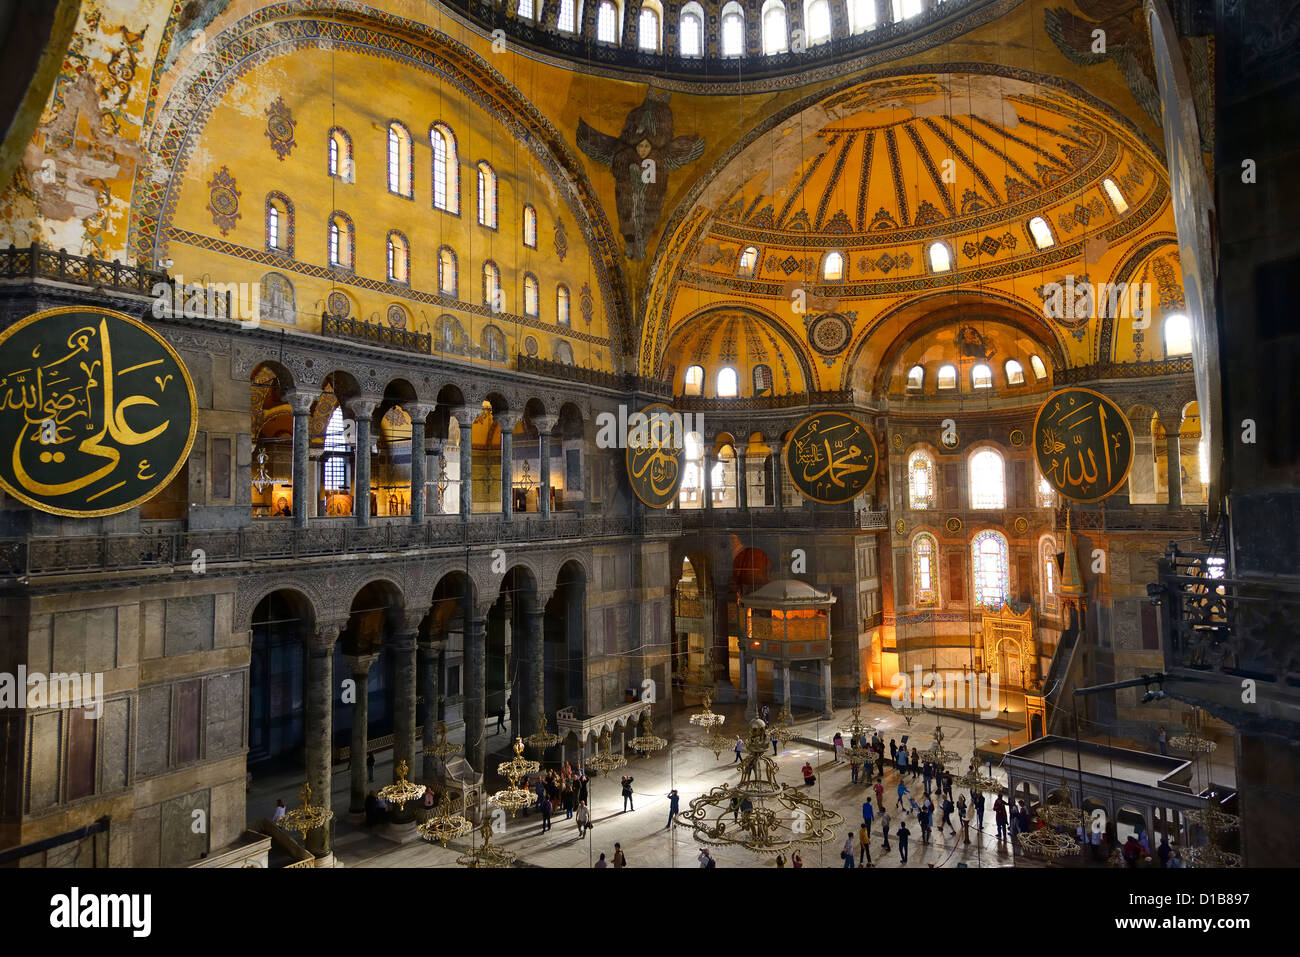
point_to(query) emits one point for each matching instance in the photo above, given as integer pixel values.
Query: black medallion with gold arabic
(1083, 444)
(656, 454)
(831, 458)
(97, 411)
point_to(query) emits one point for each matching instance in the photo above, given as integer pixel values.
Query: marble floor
(691, 770)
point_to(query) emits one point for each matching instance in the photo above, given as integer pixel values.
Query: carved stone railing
(767, 517)
(1139, 518)
(36, 262)
(795, 400)
(1123, 370)
(873, 521)
(619, 382)
(359, 331)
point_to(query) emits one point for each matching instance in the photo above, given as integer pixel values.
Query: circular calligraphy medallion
(1022, 525)
(656, 454)
(953, 525)
(1083, 444)
(1016, 438)
(831, 458)
(829, 334)
(98, 412)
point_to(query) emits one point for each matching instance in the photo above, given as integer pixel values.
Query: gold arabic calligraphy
(1084, 444)
(828, 455)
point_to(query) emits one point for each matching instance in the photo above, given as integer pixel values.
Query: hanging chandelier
(486, 854)
(909, 711)
(307, 816)
(542, 738)
(783, 727)
(442, 749)
(1060, 813)
(1213, 820)
(1211, 855)
(855, 753)
(1192, 740)
(1047, 843)
(602, 762)
(519, 766)
(514, 798)
(401, 792)
(647, 742)
(937, 753)
(445, 826)
(261, 477)
(717, 741)
(706, 718)
(974, 779)
(758, 813)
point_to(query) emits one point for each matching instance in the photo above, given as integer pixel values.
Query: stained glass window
(924, 570)
(989, 562)
(920, 480)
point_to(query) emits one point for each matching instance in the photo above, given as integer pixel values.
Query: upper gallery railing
(36, 262)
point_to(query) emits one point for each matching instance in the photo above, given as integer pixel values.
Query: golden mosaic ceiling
(745, 342)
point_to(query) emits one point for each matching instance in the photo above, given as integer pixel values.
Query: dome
(786, 593)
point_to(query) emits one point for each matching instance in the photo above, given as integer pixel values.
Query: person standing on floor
(627, 793)
(864, 844)
(1162, 738)
(880, 793)
(546, 808)
(740, 746)
(601, 863)
(853, 769)
(837, 743)
(584, 819)
(902, 789)
(978, 801)
(619, 859)
(868, 815)
(280, 809)
(846, 854)
(706, 859)
(915, 763)
(903, 835)
(796, 860)
(893, 751)
(884, 829)
(1000, 817)
(370, 766)
(674, 801)
(775, 742)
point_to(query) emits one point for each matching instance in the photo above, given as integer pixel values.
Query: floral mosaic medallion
(279, 128)
(223, 200)
(829, 334)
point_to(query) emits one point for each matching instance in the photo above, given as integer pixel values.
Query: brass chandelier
(783, 727)
(442, 749)
(306, 816)
(716, 741)
(401, 792)
(542, 739)
(974, 779)
(514, 798)
(647, 742)
(706, 718)
(758, 812)
(937, 753)
(1061, 813)
(1048, 843)
(602, 762)
(1216, 823)
(486, 854)
(1192, 740)
(445, 826)
(856, 731)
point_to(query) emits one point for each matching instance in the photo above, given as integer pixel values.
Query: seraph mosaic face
(97, 412)
(656, 454)
(1083, 444)
(831, 458)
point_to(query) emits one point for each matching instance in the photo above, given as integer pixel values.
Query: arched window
(947, 377)
(989, 562)
(1047, 560)
(567, 21)
(833, 267)
(532, 294)
(775, 35)
(399, 160)
(647, 30)
(915, 378)
(940, 258)
(399, 258)
(446, 168)
(493, 296)
(817, 21)
(1046, 494)
(733, 30)
(335, 458)
(981, 376)
(607, 23)
(1041, 232)
(562, 304)
(690, 31)
(689, 495)
(339, 152)
(1015, 373)
(1115, 196)
(728, 384)
(862, 15)
(988, 484)
(530, 226)
(748, 262)
(279, 224)
(693, 381)
(1040, 370)
(447, 272)
(525, 9)
(487, 195)
(905, 9)
(341, 240)
(925, 570)
(762, 379)
(1178, 335)
(920, 480)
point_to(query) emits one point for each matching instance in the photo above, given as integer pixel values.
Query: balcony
(375, 334)
(696, 519)
(1135, 518)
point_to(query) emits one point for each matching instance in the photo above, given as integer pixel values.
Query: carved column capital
(301, 400)
(361, 664)
(419, 411)
(361, 408)
(507, 420)
(465, 414)
(322, 640)
(544, 423)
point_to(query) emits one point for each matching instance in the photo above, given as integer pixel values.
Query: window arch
(947, 377)
(732, 43)
(763, 381)
(989, 563)
(925, 570)
(607, 22)
(988, 483)
(446, 168)
(920, 480)
(915, 378)
(567, 20)
(833, 266)
(562, 304)
(940, 257)
(338, 154)
(981, 376)
(487, 195)
(689, 495)
(400, 158)
(693, 381)
(747, 263)
(1040, 370)
(776, 37)
(532, 294)
(493, 296)
(1178, 335)
(728, 383)
(1015, 372)
(279, 223)
(1047, 562)
(447, 272)
(1041, 233)
(399, 258)
(1115, 196)
(341, 239)
(647, 30)
(817, 21)
(862, 15)
(690, 31)
(1045, 493)
(530, 226)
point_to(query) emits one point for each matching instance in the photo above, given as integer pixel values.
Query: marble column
(475, 656)
(432, 452)
(778, 479)
(418, 414)
(319, 737)
(532, 702)
(742, 481)
(751, 689)
(402, 648)
(301, 402)
(1174, 466)
(507, 421)
(465, 416)
(706, 480)
(360, 666)
(361, 410)
(544, 424)
(430, 692)
(785, 689)
(826, 689)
